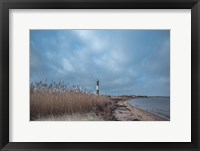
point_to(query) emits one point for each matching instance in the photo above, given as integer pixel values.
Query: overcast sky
(125, 61)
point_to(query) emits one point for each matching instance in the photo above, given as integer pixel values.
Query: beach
(121, 110)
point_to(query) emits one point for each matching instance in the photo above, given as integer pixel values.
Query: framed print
(96, 75)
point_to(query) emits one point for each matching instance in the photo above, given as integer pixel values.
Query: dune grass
(57, 99)
(91, 116)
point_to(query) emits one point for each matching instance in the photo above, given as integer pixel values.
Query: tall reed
(59, 99)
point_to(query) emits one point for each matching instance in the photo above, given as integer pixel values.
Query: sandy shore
(133, 113)
(121, 110)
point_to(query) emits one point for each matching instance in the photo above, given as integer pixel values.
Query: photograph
(99, 74)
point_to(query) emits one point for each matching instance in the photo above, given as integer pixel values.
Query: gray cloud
(125, 61)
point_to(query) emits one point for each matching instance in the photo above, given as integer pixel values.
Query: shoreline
(147, 115)
(167, 119)
(121, 110)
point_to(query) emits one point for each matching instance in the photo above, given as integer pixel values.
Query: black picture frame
(5, 5)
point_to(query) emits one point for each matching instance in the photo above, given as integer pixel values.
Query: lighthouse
(97, 87)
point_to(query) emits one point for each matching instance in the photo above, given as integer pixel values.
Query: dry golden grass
(91, 116)
(58, 99)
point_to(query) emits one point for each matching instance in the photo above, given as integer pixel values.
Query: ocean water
(156, 105)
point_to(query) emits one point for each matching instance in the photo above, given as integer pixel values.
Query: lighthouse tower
(97, 87)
